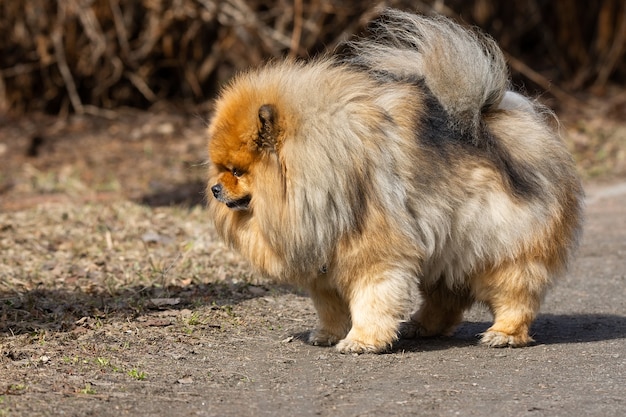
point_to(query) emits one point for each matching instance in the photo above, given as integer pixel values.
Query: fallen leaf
(185, 380)
(158, 322)
(164, 302)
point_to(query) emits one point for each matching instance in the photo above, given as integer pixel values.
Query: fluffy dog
(400, 167)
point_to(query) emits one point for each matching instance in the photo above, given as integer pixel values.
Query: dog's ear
(268, 128)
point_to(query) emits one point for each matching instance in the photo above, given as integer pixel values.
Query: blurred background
(82, 55)
(133, 79)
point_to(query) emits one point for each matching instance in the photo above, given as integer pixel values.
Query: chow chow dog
(400, 181)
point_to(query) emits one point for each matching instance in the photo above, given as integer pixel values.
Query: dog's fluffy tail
(465, 70)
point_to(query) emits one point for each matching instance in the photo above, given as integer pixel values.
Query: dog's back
(472, 119)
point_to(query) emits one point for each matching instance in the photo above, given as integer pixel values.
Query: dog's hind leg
(440, 313)
(513, 291)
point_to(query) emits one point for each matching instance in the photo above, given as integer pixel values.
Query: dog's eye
(237, 172)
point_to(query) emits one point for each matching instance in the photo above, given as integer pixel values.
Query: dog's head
(241, 138)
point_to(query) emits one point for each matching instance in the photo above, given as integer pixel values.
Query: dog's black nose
(216, 190)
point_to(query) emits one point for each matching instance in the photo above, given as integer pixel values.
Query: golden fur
(397, 168)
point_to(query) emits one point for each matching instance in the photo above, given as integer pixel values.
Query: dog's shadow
(548, 329)
(59, 310)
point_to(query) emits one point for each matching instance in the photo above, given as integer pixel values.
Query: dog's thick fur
(400, 166)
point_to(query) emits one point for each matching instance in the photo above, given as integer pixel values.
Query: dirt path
(237, 349)
(112, 304)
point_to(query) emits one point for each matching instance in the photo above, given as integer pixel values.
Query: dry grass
(599, 146)
(88, 56)
(101, 216)
(105, 259)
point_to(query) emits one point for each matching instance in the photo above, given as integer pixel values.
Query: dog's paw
(322, 337)
(493, 338)
(354, 346)
(411, 330)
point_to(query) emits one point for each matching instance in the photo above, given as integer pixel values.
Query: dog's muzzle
(239, 204)
(217, 190)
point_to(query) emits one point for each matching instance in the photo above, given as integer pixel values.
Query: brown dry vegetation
(85, 56)
(93, 57)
